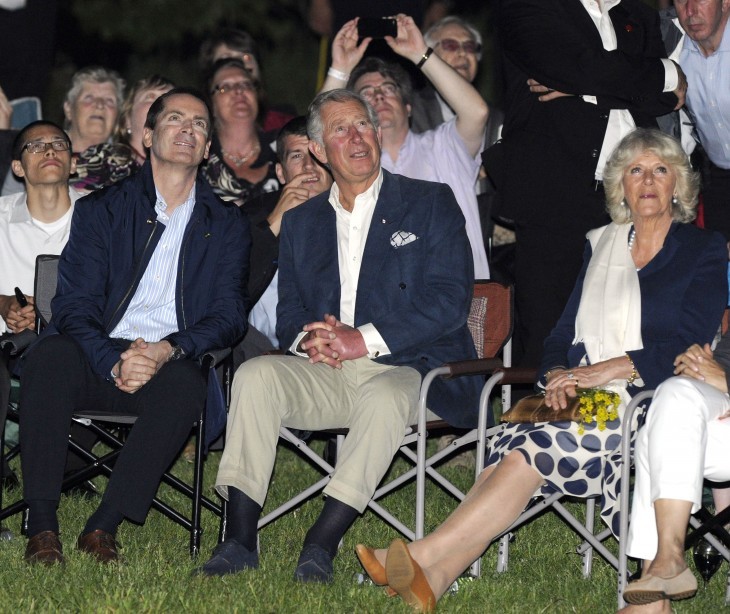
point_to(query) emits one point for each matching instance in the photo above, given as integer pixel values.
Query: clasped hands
(139, 363)
(332, 342)
(699, 363)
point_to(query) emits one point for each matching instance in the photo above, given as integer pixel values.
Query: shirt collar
(372, 192)
(161, 205)
(21, 213)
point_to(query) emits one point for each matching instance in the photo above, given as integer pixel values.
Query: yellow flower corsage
(597, 405)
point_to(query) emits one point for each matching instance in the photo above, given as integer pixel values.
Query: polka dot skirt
(586, 465)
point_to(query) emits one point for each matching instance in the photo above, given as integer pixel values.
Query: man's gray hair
(315, 127)
(431, 35)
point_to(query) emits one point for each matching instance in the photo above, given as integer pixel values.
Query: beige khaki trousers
(375, 402)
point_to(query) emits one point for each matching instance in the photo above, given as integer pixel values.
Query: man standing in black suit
(595, 71)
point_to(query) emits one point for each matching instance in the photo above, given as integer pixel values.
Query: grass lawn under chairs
(544, 571)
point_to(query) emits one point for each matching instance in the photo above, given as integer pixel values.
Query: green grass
(544, 574)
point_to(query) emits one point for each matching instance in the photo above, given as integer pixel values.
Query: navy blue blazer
(683, 296)
(417, 295)
(113, 235)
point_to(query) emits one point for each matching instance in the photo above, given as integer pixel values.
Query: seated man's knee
(266, 369)
(54, 351)
(187, 378)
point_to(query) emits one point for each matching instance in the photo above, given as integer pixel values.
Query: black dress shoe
(229, 557)
(314, 565)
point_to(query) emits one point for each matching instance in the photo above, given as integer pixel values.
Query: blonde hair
(669, 150)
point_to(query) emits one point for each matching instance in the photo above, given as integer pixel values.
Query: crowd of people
(349, 240)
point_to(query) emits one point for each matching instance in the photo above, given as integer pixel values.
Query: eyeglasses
(387, 89)
(35, 147)
(240, 87)
(451, 45)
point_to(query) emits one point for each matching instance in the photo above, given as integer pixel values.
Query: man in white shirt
(375, 284)
(704, 55)
(36, 221)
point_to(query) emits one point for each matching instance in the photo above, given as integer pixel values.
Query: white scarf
(609, 316)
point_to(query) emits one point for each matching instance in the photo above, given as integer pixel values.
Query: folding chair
(703, 524)
(553, 502)
(491, 325)
(103, 425)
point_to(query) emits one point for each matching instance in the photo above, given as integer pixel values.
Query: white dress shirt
(352, 233)
(620, 122)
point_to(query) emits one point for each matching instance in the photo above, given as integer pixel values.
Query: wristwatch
(176, 353)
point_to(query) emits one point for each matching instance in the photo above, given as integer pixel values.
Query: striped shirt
(151, 314)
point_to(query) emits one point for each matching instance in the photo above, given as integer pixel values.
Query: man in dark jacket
(375, 285)
(152, 277)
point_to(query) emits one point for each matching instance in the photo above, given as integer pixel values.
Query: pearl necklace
(241, 160)
(632, 238)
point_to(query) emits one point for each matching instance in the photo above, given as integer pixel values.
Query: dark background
(141, 37)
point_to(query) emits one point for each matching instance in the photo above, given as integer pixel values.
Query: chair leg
(503, 553)
(588, 552)
(195, 528)
(224, 522)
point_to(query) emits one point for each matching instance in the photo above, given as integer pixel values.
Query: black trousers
(548, 258)
(716, 199)
(4, 400)
(58, 380)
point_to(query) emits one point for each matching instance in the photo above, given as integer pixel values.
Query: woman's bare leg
(672, 516)
(721, 496)
(493, 503)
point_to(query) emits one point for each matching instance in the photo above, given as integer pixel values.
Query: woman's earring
(675, 200)
(624, 203)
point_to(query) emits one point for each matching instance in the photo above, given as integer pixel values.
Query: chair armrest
(214, 357)
(518, 375)
(16, 343)
(477, 366)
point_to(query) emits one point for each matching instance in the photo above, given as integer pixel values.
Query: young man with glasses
(36, 221)
(447, 154)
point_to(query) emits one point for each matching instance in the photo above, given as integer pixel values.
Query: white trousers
(683, 441)
(375, 402)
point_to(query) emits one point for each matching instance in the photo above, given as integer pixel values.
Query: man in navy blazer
(375, 285)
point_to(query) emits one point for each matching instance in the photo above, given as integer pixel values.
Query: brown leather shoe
(44, 548)
(99, 544)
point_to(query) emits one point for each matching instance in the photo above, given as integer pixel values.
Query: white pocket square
(401, 238)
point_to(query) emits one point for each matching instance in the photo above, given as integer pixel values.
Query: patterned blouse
(228, 186)
(102, 165)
